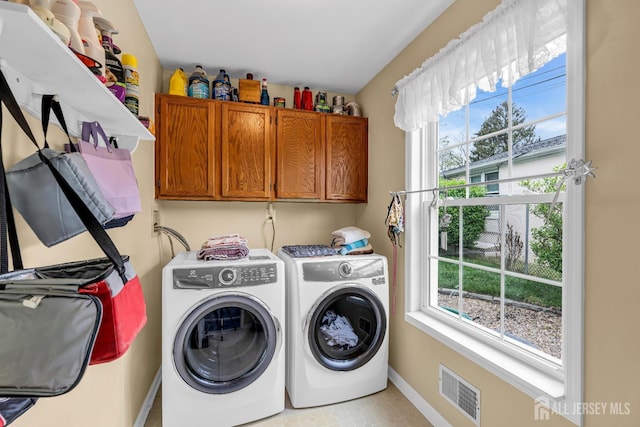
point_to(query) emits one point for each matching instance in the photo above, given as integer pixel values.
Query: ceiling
(332, 45)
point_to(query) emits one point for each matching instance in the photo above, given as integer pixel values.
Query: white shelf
(36, 62)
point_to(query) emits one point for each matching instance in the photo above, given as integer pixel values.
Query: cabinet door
(347, 158)
(186, 148)
(247, 152)
(300, 154)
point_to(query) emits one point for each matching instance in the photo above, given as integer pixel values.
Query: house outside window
(481, 259)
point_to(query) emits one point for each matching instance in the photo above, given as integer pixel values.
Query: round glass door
(346, 328)
(226, 343)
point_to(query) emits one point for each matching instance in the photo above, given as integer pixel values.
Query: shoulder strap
(7, 221)
(49, 103)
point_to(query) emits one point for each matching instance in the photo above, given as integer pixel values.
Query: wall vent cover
(460, 393)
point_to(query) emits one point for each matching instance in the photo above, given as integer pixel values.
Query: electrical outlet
(155, 220)
(270, 213)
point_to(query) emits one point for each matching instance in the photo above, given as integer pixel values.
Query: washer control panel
(335, 271)
(216, 277)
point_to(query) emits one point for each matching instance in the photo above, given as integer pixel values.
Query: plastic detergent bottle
(114, 71)
(87, 30)
(132, 83)
(178, 83)
(222, 87)
(198, 83)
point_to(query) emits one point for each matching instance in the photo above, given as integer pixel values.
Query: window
(500, 244)
(492, 188)
(488, 176)
(483, 261)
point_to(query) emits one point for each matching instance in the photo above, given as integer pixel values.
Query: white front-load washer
(223, 325)
(337, 315)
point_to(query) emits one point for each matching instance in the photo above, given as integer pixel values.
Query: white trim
(573, 294)
(421, 405)
(143, 413)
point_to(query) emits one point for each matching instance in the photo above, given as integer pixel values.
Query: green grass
(487, 283)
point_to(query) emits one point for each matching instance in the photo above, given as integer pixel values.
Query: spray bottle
(87, 30)
(114, 71)
(68, 12)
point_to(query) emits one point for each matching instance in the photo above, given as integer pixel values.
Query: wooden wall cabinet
(214, 150)
(300, 154)
(248, 155)
(347, 173)
(188, 139)
(322, 156)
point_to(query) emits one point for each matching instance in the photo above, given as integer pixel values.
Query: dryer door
(346, 327)
(226, 343)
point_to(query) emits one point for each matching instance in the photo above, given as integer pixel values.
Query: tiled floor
(386, 408)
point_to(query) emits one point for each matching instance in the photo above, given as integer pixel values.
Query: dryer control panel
(224, 276)
(334, 271)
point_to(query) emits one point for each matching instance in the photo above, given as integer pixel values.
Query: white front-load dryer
(223, 325)
(337, 315)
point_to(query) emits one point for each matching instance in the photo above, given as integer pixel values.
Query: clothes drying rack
(579, 170)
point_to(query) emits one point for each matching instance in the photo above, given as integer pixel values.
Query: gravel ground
(542, 328)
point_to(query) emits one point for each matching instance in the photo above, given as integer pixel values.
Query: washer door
(346, 327)
(226, 343)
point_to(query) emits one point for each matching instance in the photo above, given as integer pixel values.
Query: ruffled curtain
(515, 39)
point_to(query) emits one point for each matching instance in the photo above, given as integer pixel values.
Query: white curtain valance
(515, 39)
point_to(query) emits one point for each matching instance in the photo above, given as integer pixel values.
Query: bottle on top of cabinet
(222, 87)
(264, 95)
(198, 83)
(307, 99)
(297, 98)
(178, 83)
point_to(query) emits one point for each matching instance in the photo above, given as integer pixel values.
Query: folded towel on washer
(303, 251)
(346, 248)
(337, 330)
(365, 250)
(224, 247)
(347, 235)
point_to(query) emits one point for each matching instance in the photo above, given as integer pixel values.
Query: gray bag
(51, 329)
(40, 200)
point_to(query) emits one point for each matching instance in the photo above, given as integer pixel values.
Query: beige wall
(612, 341)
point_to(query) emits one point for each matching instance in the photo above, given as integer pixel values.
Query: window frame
(534, 376)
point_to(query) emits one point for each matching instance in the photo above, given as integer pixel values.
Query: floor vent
(460, 393)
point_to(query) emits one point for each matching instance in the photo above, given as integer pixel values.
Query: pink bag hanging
(112, 169)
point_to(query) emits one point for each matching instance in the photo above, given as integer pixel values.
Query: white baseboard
(422, 405)
(148, 401)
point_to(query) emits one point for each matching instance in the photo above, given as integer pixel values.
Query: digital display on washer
(331, 271)
(224, 276)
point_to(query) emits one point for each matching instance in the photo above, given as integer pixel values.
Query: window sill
(514, 371)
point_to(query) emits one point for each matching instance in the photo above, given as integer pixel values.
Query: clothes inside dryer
(347, 328)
